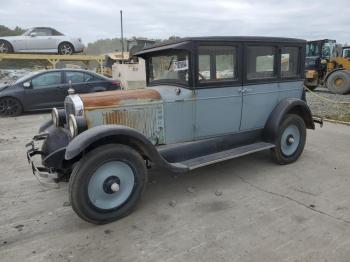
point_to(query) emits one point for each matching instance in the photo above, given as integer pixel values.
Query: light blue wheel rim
(97, 194)
(288, 148)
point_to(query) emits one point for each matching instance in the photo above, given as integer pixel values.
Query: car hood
(119, 98)
(3, 87)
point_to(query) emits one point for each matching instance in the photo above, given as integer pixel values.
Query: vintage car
(208, 99)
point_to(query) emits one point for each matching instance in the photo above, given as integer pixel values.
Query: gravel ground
(246, 209)
(328, 109)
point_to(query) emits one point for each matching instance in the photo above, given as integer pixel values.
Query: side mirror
(27, 84)
(33, 34)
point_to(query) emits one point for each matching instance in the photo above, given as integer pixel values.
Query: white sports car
(41, 40)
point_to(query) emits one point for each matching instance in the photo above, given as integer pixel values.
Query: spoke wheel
(66, 49)
(291, 139)
(107, 183)
(5, 47)
(10, 107)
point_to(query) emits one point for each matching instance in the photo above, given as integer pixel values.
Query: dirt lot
(320, 105)
(247, 209)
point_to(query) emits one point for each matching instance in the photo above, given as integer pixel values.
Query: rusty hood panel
(118, 98)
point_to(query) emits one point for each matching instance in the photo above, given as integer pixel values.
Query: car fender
(118, 134)
(287, 106)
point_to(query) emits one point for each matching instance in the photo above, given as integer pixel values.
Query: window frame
(188, 85)
(223, 82)
(277, 65)
(297, 76)
(47, 86)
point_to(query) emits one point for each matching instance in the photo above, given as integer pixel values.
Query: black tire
(65, 48)
(339, 82)
(10, 106)
(84, 172)
(285, 151)
(5, 47)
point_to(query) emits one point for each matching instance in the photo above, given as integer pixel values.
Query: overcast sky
(96, 19)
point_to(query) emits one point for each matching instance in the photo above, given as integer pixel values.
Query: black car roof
(185, 42)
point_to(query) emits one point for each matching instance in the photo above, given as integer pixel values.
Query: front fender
(287, 106)
(118, 134)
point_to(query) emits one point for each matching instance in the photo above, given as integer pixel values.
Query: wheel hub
(111, 185)
(290, 140)
(106, 190)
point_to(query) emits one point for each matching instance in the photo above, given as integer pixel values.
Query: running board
(225, 155)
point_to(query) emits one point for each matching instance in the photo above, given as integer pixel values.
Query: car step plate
(226, 155)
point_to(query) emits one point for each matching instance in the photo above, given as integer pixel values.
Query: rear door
(84, 82)
(45, 91)
(260, 86)
(218, 99)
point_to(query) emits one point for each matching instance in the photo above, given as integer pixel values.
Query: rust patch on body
(118, 97)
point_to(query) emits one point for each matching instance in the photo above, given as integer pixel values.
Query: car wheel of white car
(5, 47)
(65, 49)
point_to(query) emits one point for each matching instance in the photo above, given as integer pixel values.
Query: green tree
(5, 31)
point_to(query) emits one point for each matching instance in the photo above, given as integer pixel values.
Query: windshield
(312, 49)
(27, 32)
(171, 67)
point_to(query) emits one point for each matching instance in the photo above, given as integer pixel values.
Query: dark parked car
(47, 89)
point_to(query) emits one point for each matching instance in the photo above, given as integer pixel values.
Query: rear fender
(287, 106)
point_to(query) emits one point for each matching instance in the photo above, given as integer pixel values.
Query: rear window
(80, 77)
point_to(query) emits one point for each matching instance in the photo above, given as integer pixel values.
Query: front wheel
(107, 183)
(291, 140)
(10, 107)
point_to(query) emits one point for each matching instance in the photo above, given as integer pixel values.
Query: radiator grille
(147, 119)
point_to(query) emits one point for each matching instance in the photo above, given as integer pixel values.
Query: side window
(260, 62)
(289, 61)
(75, 77)
(90, 78)
(217, 63)
(47, 79)
(43, 31)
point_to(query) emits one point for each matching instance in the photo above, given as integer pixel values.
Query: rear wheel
(5, 47)
(10, 107)
(291, 140)
(339, 82)
(107, 183)
(65, 49)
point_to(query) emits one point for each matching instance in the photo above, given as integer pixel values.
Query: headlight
(76, 125)
(58, 117)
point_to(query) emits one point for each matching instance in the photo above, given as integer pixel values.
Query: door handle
(245, 90)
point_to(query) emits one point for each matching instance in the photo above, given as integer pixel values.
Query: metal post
(122, 36)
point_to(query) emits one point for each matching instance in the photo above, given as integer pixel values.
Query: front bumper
(50, 146)
(40, 172)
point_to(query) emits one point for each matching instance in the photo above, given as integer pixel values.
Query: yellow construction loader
(327, 64)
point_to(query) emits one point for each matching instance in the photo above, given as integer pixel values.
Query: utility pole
(122, 36)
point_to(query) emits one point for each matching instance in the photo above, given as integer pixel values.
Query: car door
(218, 97)
(260, 86)
(45, 91)
(41, 39)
